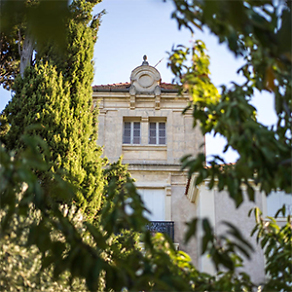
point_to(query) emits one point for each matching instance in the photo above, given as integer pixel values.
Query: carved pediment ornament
(145, 79)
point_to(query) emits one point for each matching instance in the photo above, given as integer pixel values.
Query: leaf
(192, 229)
(281, 210)
(205, 241)
(250, 192)
(269, 79)
(233, 230)
(207, 227)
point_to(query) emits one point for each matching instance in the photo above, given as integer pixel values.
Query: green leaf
(192, 229)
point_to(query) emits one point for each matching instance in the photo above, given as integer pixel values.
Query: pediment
(145, 79)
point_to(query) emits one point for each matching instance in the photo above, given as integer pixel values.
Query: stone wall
(219, 207)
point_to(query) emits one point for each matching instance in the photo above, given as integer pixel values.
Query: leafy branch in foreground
(262, 36)
(261, 150)
(276, 241)
(75, 253)
(259, 32)
(53, 99)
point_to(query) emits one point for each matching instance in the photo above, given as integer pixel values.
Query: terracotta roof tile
(168, 86)
(124, 86)
(114, 86)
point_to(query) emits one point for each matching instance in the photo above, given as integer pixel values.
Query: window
(276, 200)
(154, 200)
(132, 133)
(157, 133)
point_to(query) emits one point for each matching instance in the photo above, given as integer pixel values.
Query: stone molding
(139, 147)
(193, 191)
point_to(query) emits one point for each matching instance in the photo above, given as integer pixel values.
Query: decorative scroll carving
(157, 91)
(132, 90)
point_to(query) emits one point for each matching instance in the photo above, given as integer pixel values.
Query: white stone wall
(181, 138)
(157, 167)
(154, 167)
(219, 207)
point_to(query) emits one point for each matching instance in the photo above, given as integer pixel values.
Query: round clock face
(145, 80)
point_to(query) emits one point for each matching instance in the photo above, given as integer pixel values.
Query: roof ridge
(124, 86)
(127, 83)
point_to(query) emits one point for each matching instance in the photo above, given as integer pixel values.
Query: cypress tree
(54, 100)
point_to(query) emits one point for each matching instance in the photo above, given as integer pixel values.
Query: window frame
(158, 136)
(132, 132)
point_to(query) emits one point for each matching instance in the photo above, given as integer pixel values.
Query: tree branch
(19, 41)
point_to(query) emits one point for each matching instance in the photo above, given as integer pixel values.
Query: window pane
(161, 129)
(152, 140)
(152, 133)
(127, 140)
(162, 133)
(276, 200)
(136, 135)
(137, 125)
(136, 140)
(136, 132)
(154, 201)
(127, 133)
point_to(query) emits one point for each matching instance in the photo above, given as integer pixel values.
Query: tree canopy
(52, 99)
(259, 32)
(50, 152)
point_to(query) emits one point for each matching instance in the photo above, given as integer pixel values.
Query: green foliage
(264, 152)
(221, 249)
(276, 241)
(260, 32)
(86, 251)
(23, 204)
(71, 251)
(48, 245)
(41, 106)
(53, 100)
(9, 60)
(21, 266)
(41, 21)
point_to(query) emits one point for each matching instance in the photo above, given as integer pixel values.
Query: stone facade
(155, 167)
(218, 207)
(143, 122)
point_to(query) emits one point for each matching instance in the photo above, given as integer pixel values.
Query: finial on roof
(145, 60)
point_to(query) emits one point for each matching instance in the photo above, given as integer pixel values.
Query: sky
(133, 28)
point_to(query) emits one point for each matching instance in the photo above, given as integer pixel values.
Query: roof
(118, 87)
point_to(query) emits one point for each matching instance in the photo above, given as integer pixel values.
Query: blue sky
(133, 28)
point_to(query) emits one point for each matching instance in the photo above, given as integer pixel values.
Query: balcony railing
(166, 227)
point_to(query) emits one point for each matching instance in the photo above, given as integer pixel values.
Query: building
(142, 120)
